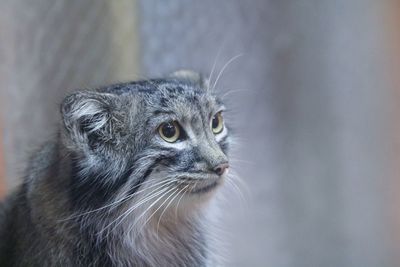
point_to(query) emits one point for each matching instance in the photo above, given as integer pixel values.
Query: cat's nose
(220, 169)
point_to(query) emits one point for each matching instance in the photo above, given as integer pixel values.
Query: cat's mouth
(205, 188)
(202, 186)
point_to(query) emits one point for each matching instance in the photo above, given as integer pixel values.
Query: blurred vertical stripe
(124, 38)
(393, 23)
(48, 48)
(2, 172)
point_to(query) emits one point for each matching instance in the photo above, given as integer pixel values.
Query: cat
(126, 182)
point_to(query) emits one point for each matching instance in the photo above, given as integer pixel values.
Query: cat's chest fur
(171, 244)
(186, 247)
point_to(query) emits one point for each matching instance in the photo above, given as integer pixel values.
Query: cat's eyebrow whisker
(223, 69)
(213, 67)
(235, 91)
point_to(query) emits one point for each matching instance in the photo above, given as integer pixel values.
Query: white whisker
(148, 208)
(240, 194)
(234, 91)
(120, 218)
(172, 199)
(120, 201)
(234, 176)
(213, 67)
(223, 69)
(177, 205)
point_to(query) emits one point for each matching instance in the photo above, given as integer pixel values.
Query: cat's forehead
(182, 99)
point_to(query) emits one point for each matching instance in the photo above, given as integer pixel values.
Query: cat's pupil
(215, 122)
(169, 130)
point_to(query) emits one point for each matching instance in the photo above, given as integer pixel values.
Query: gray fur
(108, 191)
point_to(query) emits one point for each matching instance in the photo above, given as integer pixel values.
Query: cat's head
(165, 136)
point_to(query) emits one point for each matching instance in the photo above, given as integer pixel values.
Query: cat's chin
(207, 188)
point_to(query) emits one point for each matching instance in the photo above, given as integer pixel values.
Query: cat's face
(164, 136)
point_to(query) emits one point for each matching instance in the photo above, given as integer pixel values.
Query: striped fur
(108, 191)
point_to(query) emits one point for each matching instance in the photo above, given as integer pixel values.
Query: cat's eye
(169, 131)
(217, 123)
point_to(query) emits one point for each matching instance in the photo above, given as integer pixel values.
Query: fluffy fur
(109, 191)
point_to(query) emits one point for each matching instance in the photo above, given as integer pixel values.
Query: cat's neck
(162, 242)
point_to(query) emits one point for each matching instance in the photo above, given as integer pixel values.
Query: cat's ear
(88, 117)
(191, 76)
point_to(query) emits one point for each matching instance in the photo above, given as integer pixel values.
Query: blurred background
(315, 100)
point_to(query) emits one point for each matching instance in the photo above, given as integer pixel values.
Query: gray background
(308, 98)
(309, 114)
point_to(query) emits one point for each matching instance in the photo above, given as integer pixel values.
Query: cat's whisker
(235, 176)
(130, 196)
(159, 219)
(223, 69)
(150, 195)
(120, 218)
(237, 189)
(120, 201)
(177, 205)
(123, 216)
(148, 208)
(161, 184)
(213, 66)
(172, 196)
(164, 187)
(234, 91)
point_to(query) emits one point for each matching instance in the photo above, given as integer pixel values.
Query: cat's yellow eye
(217, 123)
(169, 131)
